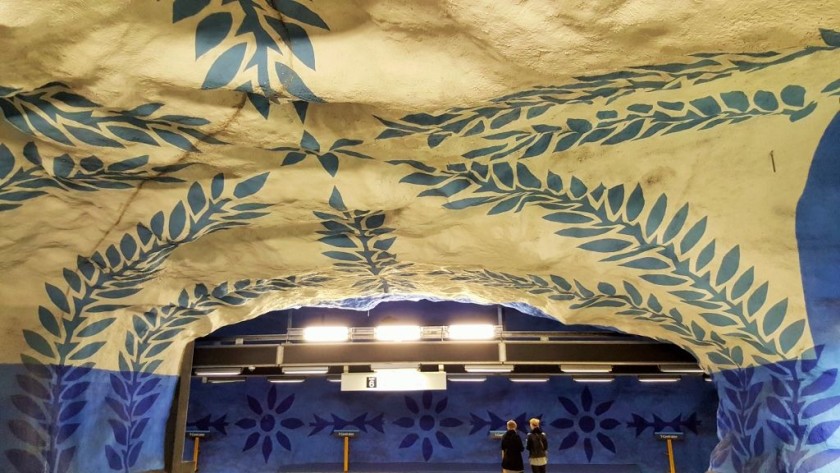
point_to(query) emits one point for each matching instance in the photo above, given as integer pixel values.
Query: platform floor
(449, 467)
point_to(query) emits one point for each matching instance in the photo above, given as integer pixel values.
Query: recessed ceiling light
(286, 379)
(326, 334)
(471, 332)
(585, 368)
(225, 380)
(593, 379)
(659, 379)
(305, 369)
(529, 379)
(467, 379)
(488, 368)
(218, 371)
(397, 333)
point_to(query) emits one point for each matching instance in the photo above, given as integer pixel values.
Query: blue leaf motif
(299, 12)
(48, 321)
(38, 343)
(225, 68)
(822, 432)
(7, 161)
(409, 440)
(177, 221)
(182, 9)
(196, 199)
(114, 459)
(791, 335)
(250, 186)
(819, 459)
(404, 422)
(294, 84)
(211, 31)
(820, 406)
(729, 265)
(821, 384)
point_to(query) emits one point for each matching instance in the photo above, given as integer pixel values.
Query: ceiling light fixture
(529, 379)
(585, 368)
(397, 333)
(593, 379)
(326, 334)
(287, 379)
(488, 368)
(659, 379)
(467, 379)
(305, 369)
(218, 371)
(471, 332)
(225, 380)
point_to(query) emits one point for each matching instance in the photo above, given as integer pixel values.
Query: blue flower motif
(587, 423)
(428, 424)
(267, 419)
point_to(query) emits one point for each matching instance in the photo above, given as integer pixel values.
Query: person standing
(537, 444)
(512, 450)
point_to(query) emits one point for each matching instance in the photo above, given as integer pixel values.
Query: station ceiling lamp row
(400, 333)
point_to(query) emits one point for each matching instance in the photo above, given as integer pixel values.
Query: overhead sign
(393, 380)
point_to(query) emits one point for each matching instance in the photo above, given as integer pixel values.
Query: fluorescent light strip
(488, 368)
(218, 371)
(286, 380)
(326, 334)
(225, 380)
(594, 379)
(585, 368)
(305, 369)
(467, 379)
(397, 333)
(471, 332)
(659, 379)
(531, 379)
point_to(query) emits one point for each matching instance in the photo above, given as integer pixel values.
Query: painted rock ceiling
(631, 164)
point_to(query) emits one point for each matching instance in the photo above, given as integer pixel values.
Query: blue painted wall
(259, 427)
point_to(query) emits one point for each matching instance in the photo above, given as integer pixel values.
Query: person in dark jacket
(512, 450)
(537, 445)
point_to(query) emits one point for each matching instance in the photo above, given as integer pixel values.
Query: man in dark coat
(512, 450)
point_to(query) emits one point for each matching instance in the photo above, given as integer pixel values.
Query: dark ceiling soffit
(542, 353)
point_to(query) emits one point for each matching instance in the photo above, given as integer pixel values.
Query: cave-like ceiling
(170, 167)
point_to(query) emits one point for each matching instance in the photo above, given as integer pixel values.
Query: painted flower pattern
(588, 422)
(267, 423)
(425, 422)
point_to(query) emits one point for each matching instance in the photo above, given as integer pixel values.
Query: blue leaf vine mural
(52, 399)
(54, 112)
(31, 180)
(134, 386)
(786, 405)
(627, 230)
(637, 121)
(262, 31)
(363, 247)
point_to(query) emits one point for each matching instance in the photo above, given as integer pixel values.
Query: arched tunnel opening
(438, 380)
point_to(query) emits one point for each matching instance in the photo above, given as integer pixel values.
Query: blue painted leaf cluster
(363, 247)
(532, 103)
(266, 25)
(53, 112)
(329, 159)
(31, 180)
